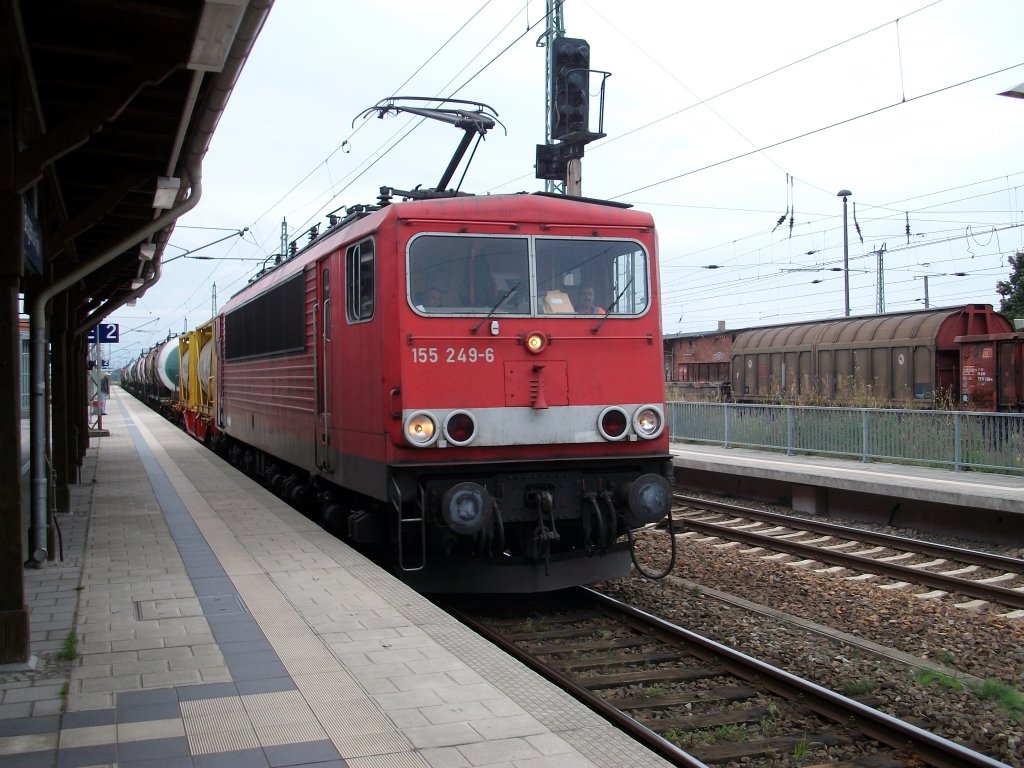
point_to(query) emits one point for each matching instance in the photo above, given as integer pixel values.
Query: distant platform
(978, 505)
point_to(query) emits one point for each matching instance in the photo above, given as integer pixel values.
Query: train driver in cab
(432, 298)
(585, 304)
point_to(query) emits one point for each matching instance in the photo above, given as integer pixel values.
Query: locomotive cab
(532, 425)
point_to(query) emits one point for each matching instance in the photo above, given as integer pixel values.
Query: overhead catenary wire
(349, 138)
(668, 260)
(599, 145)
(398, 137)
(752, 80)
(820, 129)
(805, 230)
(768, 277)
(382, 151)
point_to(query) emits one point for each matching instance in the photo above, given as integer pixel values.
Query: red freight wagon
(992, 372)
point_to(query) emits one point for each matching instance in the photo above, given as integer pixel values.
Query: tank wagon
(153, 377)
(425, 379)
(899, 359)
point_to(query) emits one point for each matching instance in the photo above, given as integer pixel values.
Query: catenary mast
(556, 28)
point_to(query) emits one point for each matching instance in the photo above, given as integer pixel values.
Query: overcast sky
(721, 118)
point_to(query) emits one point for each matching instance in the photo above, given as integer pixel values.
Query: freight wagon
(899, 359)
(153, 377)
(992, 372)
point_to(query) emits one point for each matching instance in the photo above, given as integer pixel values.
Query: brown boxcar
(903, 359)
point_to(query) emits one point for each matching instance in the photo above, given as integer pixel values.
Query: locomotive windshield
(527, 275)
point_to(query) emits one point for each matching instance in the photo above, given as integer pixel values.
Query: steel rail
(887, 729)
(971, 556)
(990, 592)
(619, 719)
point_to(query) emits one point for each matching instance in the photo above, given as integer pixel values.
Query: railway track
(937, 570)
(693, 701)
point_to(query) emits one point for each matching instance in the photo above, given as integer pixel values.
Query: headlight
(460, 428)
(421, 429)
(612, 423)
(535, 341)
(648, 422)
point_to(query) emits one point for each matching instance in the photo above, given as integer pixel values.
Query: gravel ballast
(966, 687)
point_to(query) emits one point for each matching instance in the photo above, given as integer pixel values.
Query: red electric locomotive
(472, 383)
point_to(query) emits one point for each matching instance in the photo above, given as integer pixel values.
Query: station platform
(980, 505)
(212, 625)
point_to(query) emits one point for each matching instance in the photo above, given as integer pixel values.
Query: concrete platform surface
(212, 625)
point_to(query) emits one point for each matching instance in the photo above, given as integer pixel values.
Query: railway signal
(570, 109)
(569, 113)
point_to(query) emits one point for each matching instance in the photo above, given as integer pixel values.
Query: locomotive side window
(359, 268)
(268, 325)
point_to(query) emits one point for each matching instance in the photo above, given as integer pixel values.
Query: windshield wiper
(502, 300)
(611, 308)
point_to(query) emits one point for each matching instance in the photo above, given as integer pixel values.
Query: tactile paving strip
(549, 704)
(213, 715)
(304, 655)
(606, 752)
(218, 725)
(398, 760)
(371, 745)
(359, 718)
(277, 708)
(275, 615)
(222, 741)
(324, 689)
(292, 733)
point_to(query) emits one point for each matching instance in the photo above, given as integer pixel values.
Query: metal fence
(956, 440)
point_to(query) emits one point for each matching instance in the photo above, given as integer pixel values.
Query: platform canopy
(109, 103)
(108, 108)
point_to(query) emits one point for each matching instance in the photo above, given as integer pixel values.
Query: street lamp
(845, 193)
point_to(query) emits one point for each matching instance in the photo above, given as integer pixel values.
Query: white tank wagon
(153, 378)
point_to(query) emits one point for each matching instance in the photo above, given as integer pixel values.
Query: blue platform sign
(104, 333)
(32, 240)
